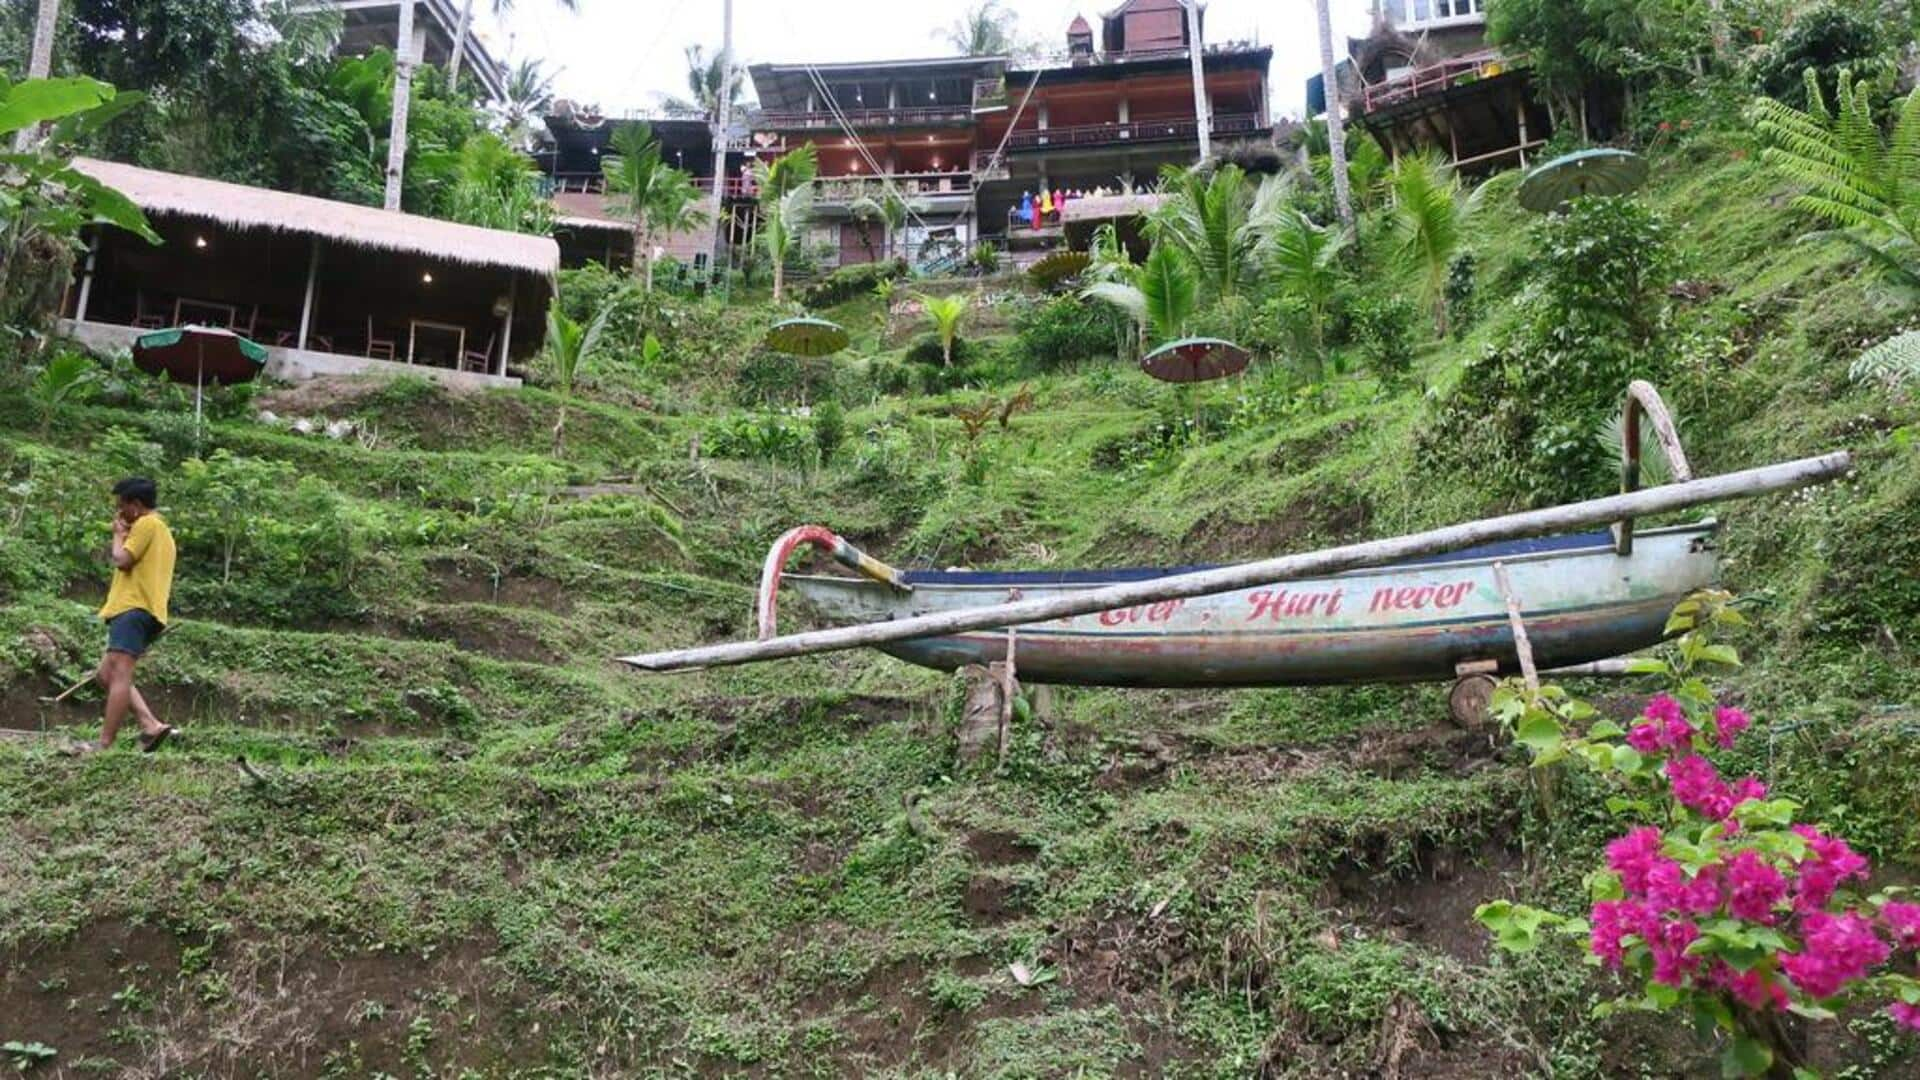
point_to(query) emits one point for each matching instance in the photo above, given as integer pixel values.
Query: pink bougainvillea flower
(1755, 989)
(1907, 1015)
(1633, 857)
(1644, 738)
(1670, 889)
(1836, 950)
(1754, 887)
(1671, 964)
(1729, 722)
(1904, 920)
(1829, 864)
(1661, 708)
(1697, 786)
(1612, 920)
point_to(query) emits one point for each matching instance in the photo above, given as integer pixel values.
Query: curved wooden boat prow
(1581, 601)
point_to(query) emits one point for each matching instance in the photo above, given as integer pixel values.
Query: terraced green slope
(471, 844)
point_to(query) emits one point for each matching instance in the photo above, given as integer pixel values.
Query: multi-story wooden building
(967, 143)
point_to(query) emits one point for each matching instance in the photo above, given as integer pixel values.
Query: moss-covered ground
(470, 844)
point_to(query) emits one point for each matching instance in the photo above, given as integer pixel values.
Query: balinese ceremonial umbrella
(1057, 266)
(1192, 360)
(199, 354)
(806, 337)
(1552, 185)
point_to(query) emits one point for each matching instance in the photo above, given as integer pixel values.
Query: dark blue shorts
(133, 632)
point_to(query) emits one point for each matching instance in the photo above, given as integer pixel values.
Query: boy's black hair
(138, 489)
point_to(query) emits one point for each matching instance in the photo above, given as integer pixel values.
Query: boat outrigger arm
(1409, 607)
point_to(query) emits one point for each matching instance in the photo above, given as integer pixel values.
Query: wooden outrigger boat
(1582, 601)
(1519, 592)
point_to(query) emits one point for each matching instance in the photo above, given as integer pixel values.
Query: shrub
(1826, 38)
(848, 282)
(926, 349)
(768, 378)
(1384, 330)
(986, 258)
(887, 376)
(767, 437)
(829, 428)
(1460, 292)
(1592, 321)
(1715, 904)
(1060, 333)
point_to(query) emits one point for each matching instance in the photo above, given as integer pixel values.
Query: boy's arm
(130, 542)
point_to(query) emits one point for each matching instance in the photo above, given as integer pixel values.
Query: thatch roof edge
(244, 207)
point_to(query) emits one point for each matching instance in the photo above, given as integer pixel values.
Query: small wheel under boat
(1470, 701)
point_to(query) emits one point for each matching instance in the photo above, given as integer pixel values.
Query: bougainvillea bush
(1716, 902)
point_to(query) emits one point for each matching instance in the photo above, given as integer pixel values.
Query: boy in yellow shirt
(136, 607)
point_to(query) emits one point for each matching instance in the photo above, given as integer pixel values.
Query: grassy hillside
(474, 846)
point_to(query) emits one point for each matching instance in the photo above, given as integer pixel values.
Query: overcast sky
(621, 54)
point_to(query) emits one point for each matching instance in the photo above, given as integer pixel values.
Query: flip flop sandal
(148, 746)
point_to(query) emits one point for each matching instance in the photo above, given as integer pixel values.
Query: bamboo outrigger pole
(1681, 496)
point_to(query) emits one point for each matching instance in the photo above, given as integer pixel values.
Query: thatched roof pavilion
(330, 286)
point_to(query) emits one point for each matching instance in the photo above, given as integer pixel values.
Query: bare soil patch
(150, 1003)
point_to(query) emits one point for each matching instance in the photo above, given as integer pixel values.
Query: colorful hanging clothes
(1032, 210)
(1046, 203)
(1060, 204)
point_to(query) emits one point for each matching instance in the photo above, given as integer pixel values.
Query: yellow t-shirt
(148, 583)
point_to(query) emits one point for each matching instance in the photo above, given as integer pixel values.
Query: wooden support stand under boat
(1438, 604)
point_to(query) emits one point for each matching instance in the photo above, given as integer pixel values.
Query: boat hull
(1579, 599)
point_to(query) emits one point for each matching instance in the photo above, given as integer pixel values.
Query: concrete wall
(293, 365)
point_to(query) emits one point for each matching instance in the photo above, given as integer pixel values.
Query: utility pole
(1202, 114)
(403, 61)
(722, 120)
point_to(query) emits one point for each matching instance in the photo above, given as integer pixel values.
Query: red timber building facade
(978, 148)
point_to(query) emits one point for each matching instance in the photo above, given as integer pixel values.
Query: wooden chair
(481, 361)
(380, 348)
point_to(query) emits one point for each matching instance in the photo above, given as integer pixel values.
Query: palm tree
(1336, 122)
(786, 205)
(1215, 221)
(946, 313)
(890, 210)
(659, 199)
(568, 346)
(1302, 258)
(529, 92)
(1865, 186)
(986, 29)
(1429, 216)
(704, 76)
(465, 26)
(1161, 294)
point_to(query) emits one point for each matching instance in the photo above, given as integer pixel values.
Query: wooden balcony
(843, 190)
(865, 119)
(1132, 133)
(1437, 78)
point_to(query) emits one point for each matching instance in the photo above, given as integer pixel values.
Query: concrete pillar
(1041, 116)
(86, 277)
(1126, 111)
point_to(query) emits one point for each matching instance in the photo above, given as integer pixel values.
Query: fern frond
(1894, 362)
(1903, 156)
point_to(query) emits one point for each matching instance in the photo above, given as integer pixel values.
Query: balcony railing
(737, 187)
(840, 190)
(1434, 78)
(915, 116)
(1136, 131)
(1135, 56)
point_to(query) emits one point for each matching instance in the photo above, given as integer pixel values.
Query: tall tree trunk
(403, 61)
(461, 29)
(1336, 120)
(779, 269)
(1202, 114)
(722, 118)
(41, 63)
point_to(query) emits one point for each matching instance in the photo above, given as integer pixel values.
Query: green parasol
(1057, 266)
(1553, 184)
(200, 354)
(806, 337)
(1192, 360)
